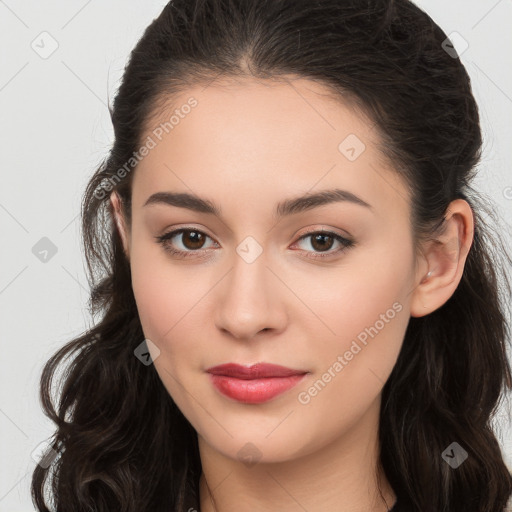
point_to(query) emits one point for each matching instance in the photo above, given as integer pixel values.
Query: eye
(193, 240)
(323, 241)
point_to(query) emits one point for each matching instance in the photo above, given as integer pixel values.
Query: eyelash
(164, 241)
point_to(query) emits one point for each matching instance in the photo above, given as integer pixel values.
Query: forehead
(251, 139)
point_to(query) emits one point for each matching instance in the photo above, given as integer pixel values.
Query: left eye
(318, 240)
(193, 241)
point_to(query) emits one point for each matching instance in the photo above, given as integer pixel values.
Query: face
(256, 283)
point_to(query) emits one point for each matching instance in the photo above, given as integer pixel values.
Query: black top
(396, 507)
(192, 499)
(192, 504)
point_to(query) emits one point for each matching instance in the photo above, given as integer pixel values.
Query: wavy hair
(122, 442)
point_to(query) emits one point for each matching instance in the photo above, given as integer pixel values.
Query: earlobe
(119, 219)
(445, 258)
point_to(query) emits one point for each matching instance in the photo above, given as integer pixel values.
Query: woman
(299, 298)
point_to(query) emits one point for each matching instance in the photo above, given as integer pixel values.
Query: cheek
(368, 314)
(155, 304)
(154, 286)
(171, 301)
(368, 287)
(167, 303)
(365, 307)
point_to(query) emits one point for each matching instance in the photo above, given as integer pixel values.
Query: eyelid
(345, 241)
(325, 229)
(176, 231)
(315, 229)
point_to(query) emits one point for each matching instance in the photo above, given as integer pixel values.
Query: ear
(444, 258)
(120, 220)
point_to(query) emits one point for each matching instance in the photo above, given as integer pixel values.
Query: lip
(254, 384)
(256, 371)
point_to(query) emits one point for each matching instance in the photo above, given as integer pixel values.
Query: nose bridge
(249, 302)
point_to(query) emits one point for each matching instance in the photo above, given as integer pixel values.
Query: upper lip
(256, 371)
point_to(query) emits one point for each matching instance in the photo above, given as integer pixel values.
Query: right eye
(192, 241)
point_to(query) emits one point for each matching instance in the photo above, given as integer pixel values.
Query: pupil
(196, 242)
(322, 246)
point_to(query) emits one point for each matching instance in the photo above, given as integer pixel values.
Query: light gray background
(54, 130)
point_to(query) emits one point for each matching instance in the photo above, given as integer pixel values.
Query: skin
(246, 146)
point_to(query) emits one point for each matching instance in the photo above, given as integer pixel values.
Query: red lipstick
(254, 384)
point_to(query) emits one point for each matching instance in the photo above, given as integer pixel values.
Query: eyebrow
(284, 208)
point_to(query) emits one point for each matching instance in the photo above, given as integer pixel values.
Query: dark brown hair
(122, 442)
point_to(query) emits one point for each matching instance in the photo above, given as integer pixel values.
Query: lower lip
(254, 391)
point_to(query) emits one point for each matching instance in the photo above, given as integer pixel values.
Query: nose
(250, 299)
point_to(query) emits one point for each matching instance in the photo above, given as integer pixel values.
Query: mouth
(254, 384)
